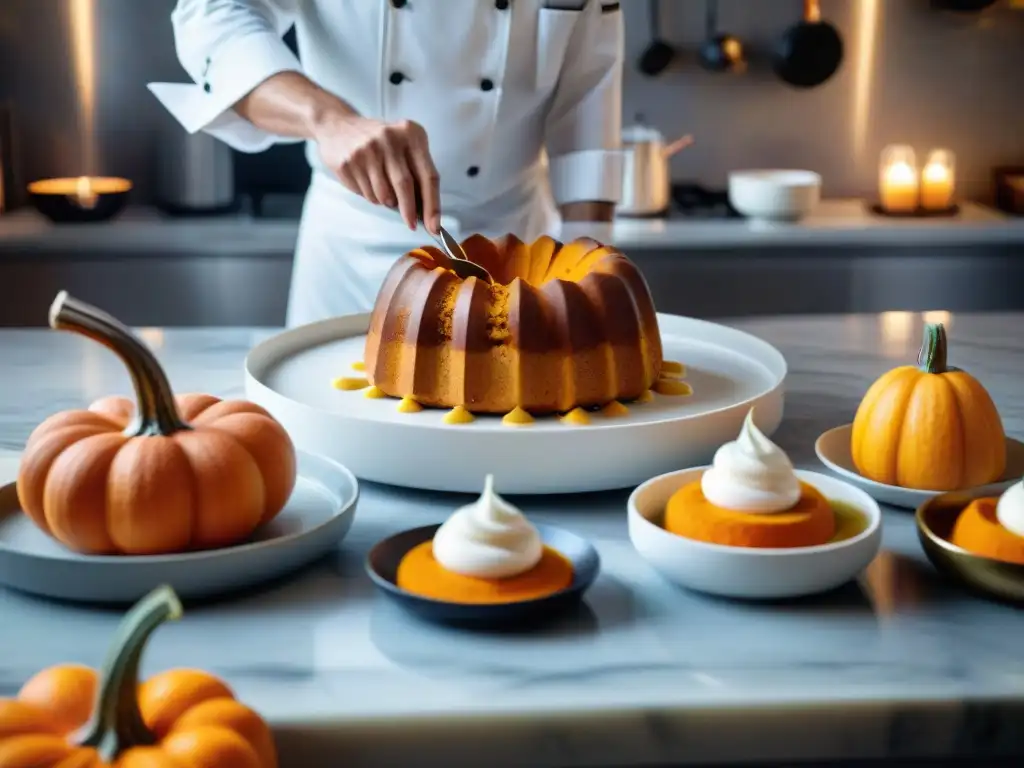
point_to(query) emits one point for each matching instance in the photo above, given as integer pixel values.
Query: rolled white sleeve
(228, 47)
(583, 128)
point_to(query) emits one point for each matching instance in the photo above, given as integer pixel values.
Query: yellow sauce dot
(458, 415)
(576, 416)
(614, 409)
(358, 365)
(349, 383)
(672, 387)
(646, 397)
(408, 405)
(375, 393)
(673, 369)
(517, 417)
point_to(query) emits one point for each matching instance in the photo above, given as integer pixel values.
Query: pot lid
(641, 132)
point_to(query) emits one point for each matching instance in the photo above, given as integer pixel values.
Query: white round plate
(316, 518)
(833, 449)
(730, 371)
(747, 572)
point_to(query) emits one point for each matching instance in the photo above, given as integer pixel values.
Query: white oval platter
(290, 375)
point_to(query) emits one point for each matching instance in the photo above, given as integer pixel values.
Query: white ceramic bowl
(748, 572)
(833, 449)
(774, 195)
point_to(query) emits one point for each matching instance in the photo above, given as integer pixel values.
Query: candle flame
(85, 196)
(936, 171)
(900, 173)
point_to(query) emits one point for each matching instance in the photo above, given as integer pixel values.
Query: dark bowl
(58, 201)
(382, 567)
(992, 578)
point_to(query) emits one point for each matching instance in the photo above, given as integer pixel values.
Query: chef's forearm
(290, 104)
(588, 211)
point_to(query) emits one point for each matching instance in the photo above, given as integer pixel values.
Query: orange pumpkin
(186, 473)
(930, 427)
(71, 717)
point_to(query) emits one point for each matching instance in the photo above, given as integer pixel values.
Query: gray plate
(316, 518)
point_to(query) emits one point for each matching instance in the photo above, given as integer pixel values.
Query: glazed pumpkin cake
(562, 326)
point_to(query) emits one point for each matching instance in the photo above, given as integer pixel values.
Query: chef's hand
(384, 162)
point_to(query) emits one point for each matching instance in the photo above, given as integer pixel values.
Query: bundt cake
(561, 326)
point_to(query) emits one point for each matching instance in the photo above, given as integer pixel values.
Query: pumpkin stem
(116, 723)
(157, 412)
(934, 351)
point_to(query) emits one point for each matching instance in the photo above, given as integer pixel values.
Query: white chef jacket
(520, 99)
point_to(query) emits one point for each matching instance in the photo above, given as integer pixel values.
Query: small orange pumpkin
(70, 717)
(930, 427)
(186, 473)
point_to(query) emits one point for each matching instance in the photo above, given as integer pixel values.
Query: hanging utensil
(720, 52)
(658, 54)
(811, 51)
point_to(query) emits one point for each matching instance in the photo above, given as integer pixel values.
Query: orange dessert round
(561, 326)
(978, 530)
(808, 523)
(421, 574)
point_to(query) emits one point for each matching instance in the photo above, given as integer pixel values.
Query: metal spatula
(459, 262)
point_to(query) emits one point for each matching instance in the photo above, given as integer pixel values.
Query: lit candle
(80, 198)
(898, 182)
(937, 181)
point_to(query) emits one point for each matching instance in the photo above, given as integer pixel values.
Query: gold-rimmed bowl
(992, 578)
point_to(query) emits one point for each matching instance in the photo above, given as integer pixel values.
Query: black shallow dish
(382, 567)
(57, 200)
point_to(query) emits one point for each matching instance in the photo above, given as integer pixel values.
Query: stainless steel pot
(196, 173)
(646, 178)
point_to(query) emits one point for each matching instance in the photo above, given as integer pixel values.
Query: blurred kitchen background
(73, 103)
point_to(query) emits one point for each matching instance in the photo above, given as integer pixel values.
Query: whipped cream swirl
(751, 474)
(489, 539)
(1010, 509)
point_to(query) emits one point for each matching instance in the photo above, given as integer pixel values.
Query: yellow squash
(930, 426)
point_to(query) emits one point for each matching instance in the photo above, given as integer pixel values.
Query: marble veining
(898, 664)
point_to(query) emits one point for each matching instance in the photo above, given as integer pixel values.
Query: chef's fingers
(349, 180)
(378, 177)
(427, 181)
(402, 182)
(362, 183)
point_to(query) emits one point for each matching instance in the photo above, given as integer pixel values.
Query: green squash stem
(157, 411)
(116, 724)
(933, 357)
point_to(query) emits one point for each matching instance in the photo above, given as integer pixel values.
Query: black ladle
(810, 52)
(658, 54)
(719, 52)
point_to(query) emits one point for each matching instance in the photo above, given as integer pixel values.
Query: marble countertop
(141, 232)
(899, 664)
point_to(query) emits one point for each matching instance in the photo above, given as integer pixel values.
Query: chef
(504, 115)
